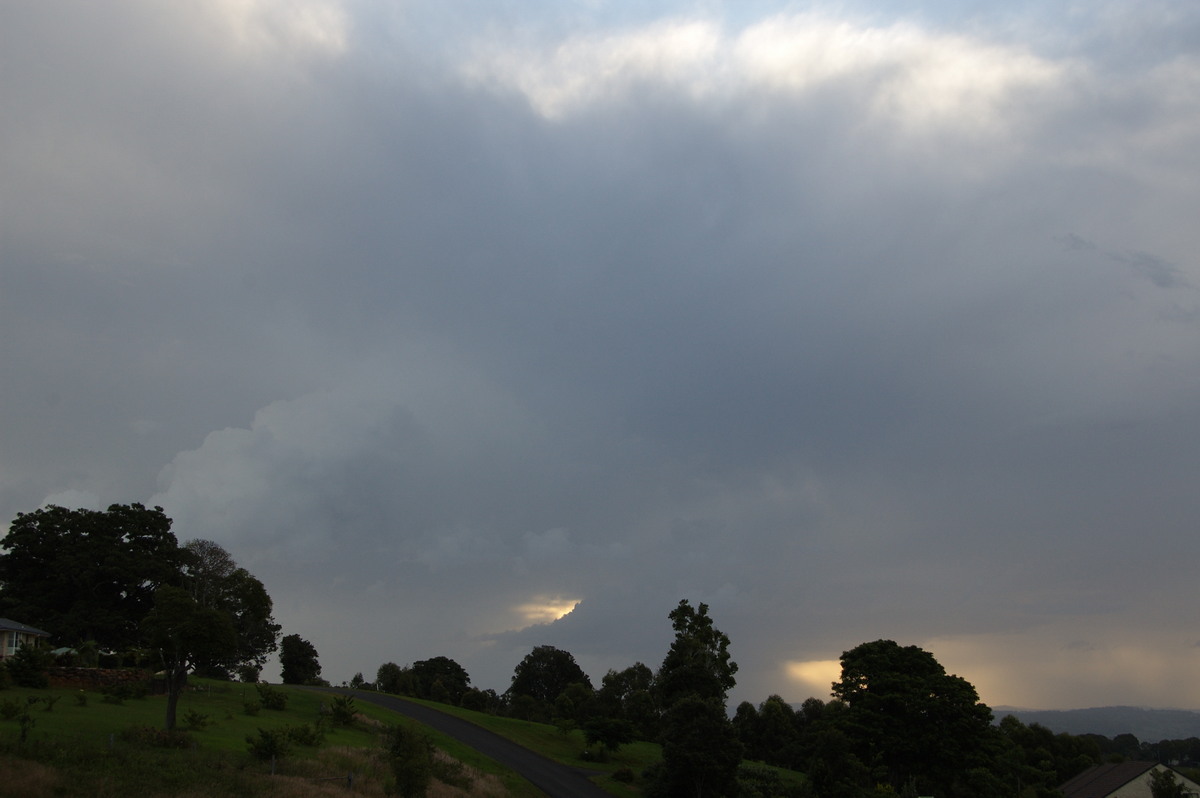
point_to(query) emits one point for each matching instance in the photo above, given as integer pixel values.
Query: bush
(10, 709)
(270, 698)
(307, 734)
(196, 721)
(269, 744)
(342, 710)
(123, 691)
(5, 678)
(410, 755)
(251, 707)
(152, 737)
(28, 667)
(81, 699)
(623, 775)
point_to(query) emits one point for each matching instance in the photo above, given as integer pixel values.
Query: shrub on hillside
(270, 698)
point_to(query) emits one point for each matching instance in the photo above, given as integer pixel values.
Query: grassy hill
(82, 744)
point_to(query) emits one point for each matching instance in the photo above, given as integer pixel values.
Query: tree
(910, 721)
(628, 695)
(410, 754)
(698, 662)
(88, 574)
(701, 751)
(215, 581)
(298, 659)
(440, 679)
(391, 678)
(544, 673)
(182, 631)
(1164, 785)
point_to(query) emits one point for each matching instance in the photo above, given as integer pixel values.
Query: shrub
(28, 667)
(196, 721)
(251, 707)
(10, 709)
(81, 699)
(623, 775)
(308, 734)
(410, 755)
(5, 678)
(270, 698)
(50, 701)
(342, 710)
(269, 744)
(152, 737)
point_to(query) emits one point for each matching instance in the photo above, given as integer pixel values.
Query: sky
(469, 327)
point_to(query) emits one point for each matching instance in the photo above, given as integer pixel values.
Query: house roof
(12, 626)
(1103, 780)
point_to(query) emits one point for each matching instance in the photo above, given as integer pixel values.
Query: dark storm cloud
(851, 327)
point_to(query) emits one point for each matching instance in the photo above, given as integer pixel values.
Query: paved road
(552, 778)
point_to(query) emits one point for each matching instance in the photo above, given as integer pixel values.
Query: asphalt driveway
(552, 778)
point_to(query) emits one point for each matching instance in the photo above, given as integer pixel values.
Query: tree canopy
(182, 632)
(701, 750)
(908, 720)
(216, 582)
(698, 662)
(298, 659)
(88, 574)
(546, 672)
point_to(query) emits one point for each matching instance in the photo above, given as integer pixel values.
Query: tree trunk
(176, 678)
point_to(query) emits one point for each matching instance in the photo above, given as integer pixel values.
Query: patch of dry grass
(25, 779)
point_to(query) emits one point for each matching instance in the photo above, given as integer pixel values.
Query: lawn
(80, 744)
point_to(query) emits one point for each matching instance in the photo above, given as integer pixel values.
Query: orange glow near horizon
(815, 675)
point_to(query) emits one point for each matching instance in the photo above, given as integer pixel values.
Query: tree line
(118, 584)
(897, 724)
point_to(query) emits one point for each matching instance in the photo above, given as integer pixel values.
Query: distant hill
(1148, 725)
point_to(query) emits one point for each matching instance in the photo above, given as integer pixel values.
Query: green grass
(567, 748)
(76, 749)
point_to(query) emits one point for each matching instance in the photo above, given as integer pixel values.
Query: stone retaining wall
(98, 678)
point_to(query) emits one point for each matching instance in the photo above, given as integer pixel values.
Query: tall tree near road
(298, 659)
(701, 750)
(698, 662)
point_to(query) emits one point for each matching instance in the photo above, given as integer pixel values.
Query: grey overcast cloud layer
(469, 327)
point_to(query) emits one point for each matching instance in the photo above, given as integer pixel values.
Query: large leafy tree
(298, 659)
(701, 750)
(183, 632)
(88, 574)
(628, 695)
(909, 721)
(440, 679)
(546, 672)
(698, 662)
(215, 581)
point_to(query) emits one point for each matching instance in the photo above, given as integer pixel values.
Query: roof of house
(1103, 780)
(12, 626)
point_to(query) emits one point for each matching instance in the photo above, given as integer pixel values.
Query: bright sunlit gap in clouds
(546, 609)
(814, 676)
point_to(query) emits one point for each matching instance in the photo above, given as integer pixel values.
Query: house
(1121, 780)
(13, 635)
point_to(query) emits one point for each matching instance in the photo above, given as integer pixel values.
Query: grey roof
(1103, 780)
(7, 625)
